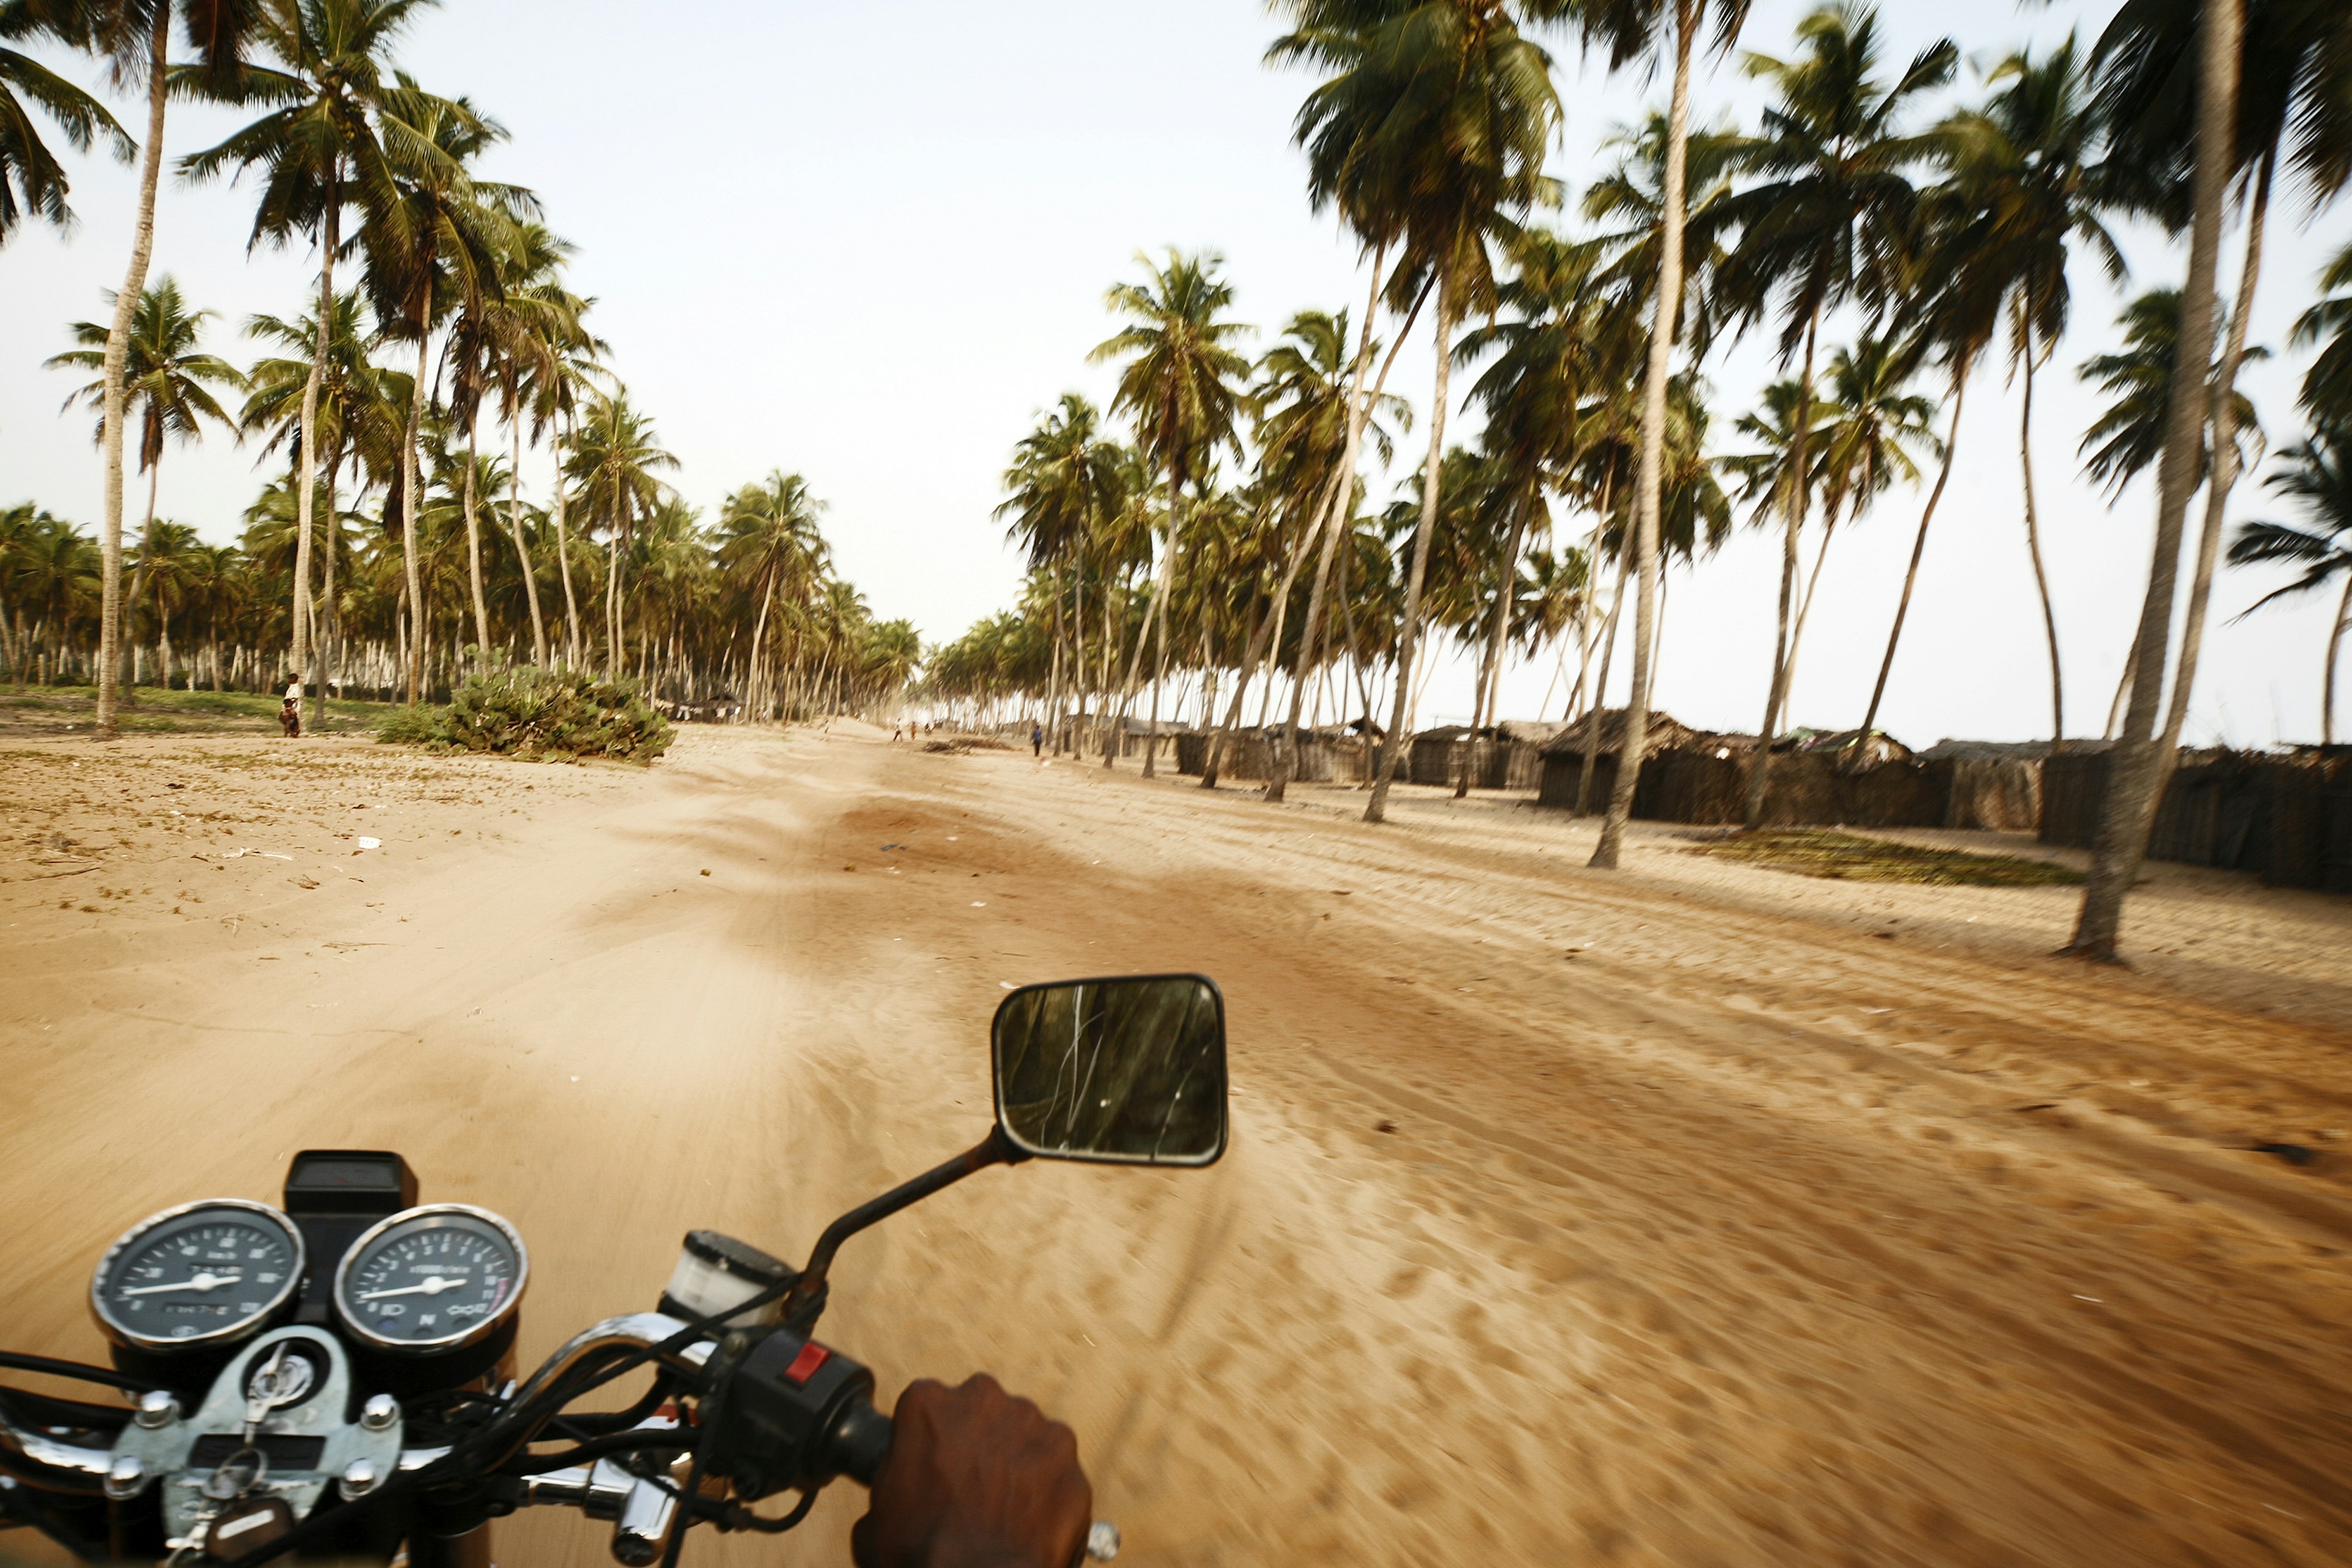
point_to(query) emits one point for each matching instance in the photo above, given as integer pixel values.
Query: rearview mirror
(1129, 1071)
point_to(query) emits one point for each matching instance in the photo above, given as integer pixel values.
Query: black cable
(674, 1440)
(596, 1423)
(49, 1410)
(17, 1361)
(740, 1516)
(454, 1465)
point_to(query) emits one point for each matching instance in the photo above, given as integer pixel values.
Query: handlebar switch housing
(796, 1414)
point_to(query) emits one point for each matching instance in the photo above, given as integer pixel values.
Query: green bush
(410, 726)
(536, 714)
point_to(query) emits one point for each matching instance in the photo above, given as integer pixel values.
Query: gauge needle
(432, 1287)
(201, 1283)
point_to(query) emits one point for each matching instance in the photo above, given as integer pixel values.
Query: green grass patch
(1843, 856)
(150, 710)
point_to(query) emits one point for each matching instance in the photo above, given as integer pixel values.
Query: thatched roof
(1664, 731)
(1880, 747)
(1531, 731)
(2001, 751)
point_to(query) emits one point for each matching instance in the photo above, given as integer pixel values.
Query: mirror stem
(993, 1150)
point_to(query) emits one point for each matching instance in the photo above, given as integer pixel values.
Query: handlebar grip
(859, 1441)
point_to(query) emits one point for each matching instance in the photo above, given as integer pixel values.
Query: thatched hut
(1563, 755)
(1995, 785)
(2287, 818)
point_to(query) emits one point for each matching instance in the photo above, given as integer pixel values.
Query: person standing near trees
(290, 712)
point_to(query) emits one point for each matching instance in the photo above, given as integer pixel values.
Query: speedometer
(202, 1274)
(431, 1279)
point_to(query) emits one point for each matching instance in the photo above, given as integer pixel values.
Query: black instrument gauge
(432, 1278)
(203, 1274)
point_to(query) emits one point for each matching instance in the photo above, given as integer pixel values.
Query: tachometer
(202, 1274)
(431, 1279)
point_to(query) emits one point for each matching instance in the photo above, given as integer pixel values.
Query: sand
(1696, 1215)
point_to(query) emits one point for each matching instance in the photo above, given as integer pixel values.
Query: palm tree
(769, 536)
(2128, 434)
(485, 333)
(2316, 474)
(2327, 385)
(314, 149)
(1429, 135)
(1061, 474)
(1634, 30)
(2026, 159)
(165, 379)
(613, 456)
(2294, 99)
(33, 183)
(1180, 384)
(436, 234)
(1563, 340)
(357, 408)
(166, 565)
(1872, 426)
(135, 38)
(2137, 768)
(1950, 305)
(1831, 219)
(537, 315)
(1311, 429)
(553, 357)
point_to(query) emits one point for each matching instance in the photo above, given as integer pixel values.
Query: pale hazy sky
(867, 242)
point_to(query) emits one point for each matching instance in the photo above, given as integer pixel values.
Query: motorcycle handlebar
(859, 1441)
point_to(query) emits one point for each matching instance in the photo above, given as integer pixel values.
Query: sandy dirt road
(1697, 1215)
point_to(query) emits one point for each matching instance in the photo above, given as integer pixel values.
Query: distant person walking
(290, 712)
(1038, 740)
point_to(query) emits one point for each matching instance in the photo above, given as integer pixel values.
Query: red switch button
(813, 1356)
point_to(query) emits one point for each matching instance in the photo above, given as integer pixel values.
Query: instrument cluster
(431, 1279)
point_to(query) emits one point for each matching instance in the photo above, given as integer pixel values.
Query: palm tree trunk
(1159, 584)
(1665, 321)
(320, 348)
(2328, 676)
(522, 550)
(2224, 416)
(1396, 744)
(1267, 634)
(2033, 546)
(1600, 692)
(752, 683)
(612, 651)
(411, 510)
(2137, 767)
(1077, 654)
(150, 446)
(1804, 605)
(474, 550)
(329, 621)
(563, 563)
(1491, 676)
(116, 396)
(1799, 501)
(1335, 521)
(1919, 544)
(1159, 665)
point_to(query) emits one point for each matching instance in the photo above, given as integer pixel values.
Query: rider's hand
(976, 1478)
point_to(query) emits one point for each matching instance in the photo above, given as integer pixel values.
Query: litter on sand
(371, 843)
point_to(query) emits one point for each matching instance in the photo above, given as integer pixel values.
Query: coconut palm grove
(1904, 232)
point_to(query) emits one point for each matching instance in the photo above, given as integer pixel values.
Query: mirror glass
(1130, 1070)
